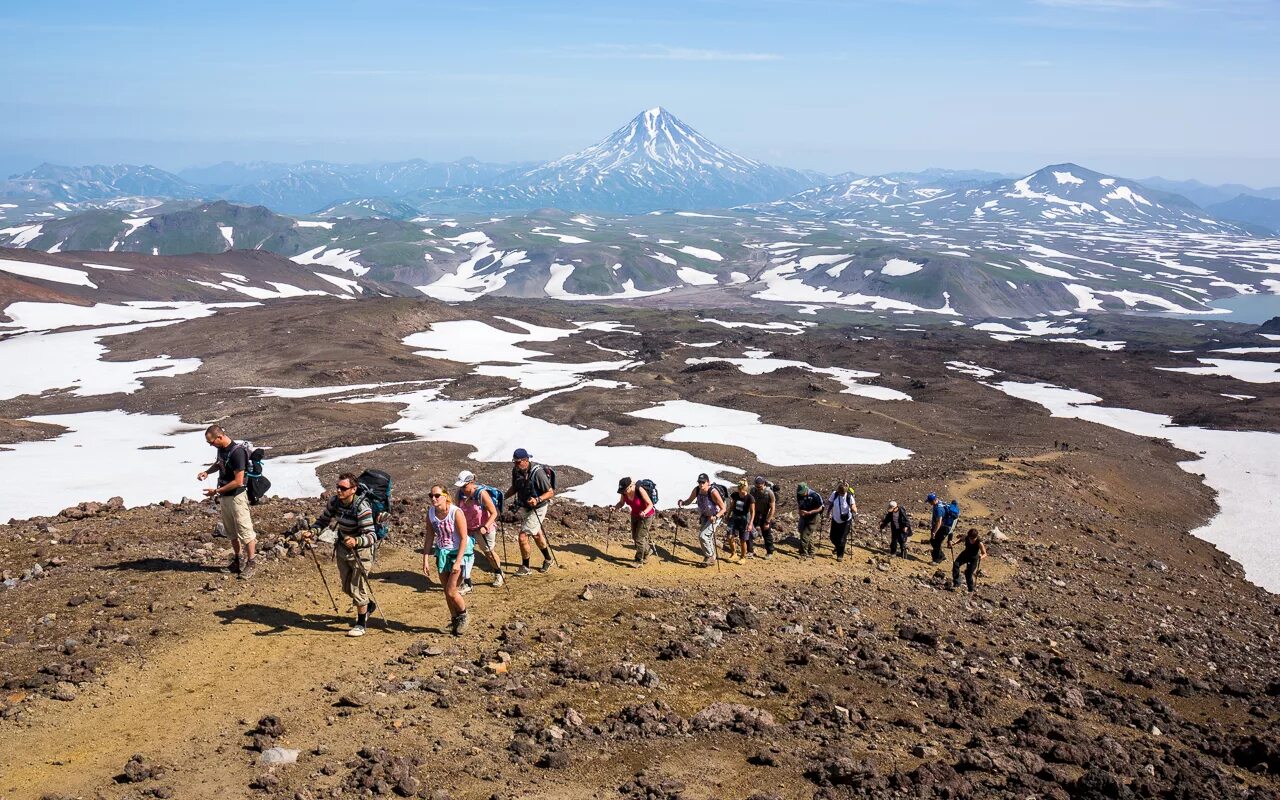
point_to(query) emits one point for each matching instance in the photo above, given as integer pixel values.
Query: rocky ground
(1106, 653)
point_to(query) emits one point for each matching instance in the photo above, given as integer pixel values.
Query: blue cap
(519, 454)
(931, 497)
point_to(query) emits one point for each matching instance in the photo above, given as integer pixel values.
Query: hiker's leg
(361, 594)
(452, 597)
(955, 571)
(523, 541)
(242, 523)
(766, 529)
(707, 538)
(970, 573)
(937, 541)
(637, 539)
(534, 519)
(346, 576)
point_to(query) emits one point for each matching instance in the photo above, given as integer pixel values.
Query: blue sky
(1180, 88)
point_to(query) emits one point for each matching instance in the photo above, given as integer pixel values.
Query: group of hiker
(467, 514)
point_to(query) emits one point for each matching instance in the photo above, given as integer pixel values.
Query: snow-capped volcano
(654, 162)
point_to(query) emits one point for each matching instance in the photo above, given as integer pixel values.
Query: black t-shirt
(232, 459)
(739, 502)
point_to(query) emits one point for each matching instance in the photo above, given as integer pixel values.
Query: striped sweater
(354, 520)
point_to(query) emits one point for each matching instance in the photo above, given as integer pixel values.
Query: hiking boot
(356, 630)
(249, 569)
(547, 565)
(498, 580)
(234, 566)
(709, 561)
(460, 624)
(466, 589)
(523, 571)
(767, 556)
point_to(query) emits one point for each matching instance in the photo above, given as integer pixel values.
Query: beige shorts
(235, 517)
(355, 581)
(533, 519)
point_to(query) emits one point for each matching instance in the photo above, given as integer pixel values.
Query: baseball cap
(931, 497)
(802, 488)
(893, 504)
(702, 478)
(464, 477)
(759, 480)
(623, 483)
(519, 454)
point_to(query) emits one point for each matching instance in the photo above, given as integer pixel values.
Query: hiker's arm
(367, 536)
(227, 488)
(325, 517)
(648, 504)
(490, 510)
(690, 498)
(982, 550)
(214, 467)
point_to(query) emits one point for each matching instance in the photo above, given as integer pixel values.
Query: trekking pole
(608, 527)
(372, 597)
(503, 529)
(547, 538)
(323, 579)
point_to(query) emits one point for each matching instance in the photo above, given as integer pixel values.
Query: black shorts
(738, 527)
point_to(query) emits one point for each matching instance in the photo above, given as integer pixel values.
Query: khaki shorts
(235, 517)
(533, 519)
(486, 541)
(355, 581)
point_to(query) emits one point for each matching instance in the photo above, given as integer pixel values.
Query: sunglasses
(342, 488)
(435, 495)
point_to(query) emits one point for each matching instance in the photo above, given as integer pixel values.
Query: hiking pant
(970, 564)
(805, 528)
(840, 536)
(707, 537)
(898, 541)
(938, 540)
(355, 578)
(640, 535)
(236, 522)
(766, 531)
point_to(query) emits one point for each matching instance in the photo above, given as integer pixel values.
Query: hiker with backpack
(710, 499)
(809, 507)
(639, 496)
(970, 558)
(533, 485)
(765, 503)
(944, 519)
(232, 495)
(353, 549)
(899, 525)
(742, 511)
(481, 505)
(842, 506)
(451, 544)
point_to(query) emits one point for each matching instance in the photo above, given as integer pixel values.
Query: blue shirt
(939, 511)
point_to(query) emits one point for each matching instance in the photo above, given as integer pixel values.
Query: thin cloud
(662, 52)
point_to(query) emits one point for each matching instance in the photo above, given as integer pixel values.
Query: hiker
(233, 498)
(809, 507)
(899, 525)
(451, 544)
(531, 485)
(940, 527)
(842, 506)
(353, 548)
(711, 509)
(742, 509)
(970, 558)
(482, 521)
(765, 504)
(636, 497)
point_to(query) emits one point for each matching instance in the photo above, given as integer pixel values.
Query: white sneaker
(498, 580)
(466, 589)
(356, 630)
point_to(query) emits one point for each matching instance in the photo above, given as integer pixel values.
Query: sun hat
(464, 477)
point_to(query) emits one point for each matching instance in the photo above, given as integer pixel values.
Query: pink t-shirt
(474, 512)
(637, 504)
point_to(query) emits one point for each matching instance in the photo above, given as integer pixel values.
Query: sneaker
(466, 589)
(767, 556)
(839, 559)
(498, 580)
(547, 565)
(356, 630)
(708, 562)
(524, 570)
(248, 570)
(460, 624)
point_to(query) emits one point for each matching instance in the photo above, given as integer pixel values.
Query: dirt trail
(974, 480)
(275, 644)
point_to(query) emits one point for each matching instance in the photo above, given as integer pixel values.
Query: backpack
(551, 475)
(374, 487)
(650, 488)
(498, 496)
(257, 485)
(723, 491)
(950, 513)
(805, 503)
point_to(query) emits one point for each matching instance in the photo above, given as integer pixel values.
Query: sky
(1176, 88)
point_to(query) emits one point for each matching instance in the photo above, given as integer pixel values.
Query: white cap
(893, 504)
(464, 477)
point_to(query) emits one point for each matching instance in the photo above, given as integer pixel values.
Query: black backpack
(374, 487)
(257, 485)
(650, 488)
(723, 491)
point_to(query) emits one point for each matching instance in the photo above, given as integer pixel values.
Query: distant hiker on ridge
(233, 498)
(843, 507)
(635, 497)
(710, 510)
(353, 548)
(476, 502)
(534, 486)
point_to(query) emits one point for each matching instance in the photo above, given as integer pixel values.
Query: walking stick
(547, 538)
(324, 580)
(608, 527)
(372, 597)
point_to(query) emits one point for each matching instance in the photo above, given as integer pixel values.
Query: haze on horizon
(1177, 88)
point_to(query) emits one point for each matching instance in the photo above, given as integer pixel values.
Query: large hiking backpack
(650, 488)
(551, 474)
(950, 513)
(498, 496)
(257, 485)
(374, 486)
(723, 491)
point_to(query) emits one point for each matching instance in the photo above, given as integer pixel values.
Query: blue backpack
(950, 513)
(650, 488)
(498, 497)
(374, 487)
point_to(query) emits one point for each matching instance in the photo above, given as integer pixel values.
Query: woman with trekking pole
(632, 495)
(452, 544)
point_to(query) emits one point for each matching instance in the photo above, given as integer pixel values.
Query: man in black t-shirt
(233, 497)
(765, 504)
